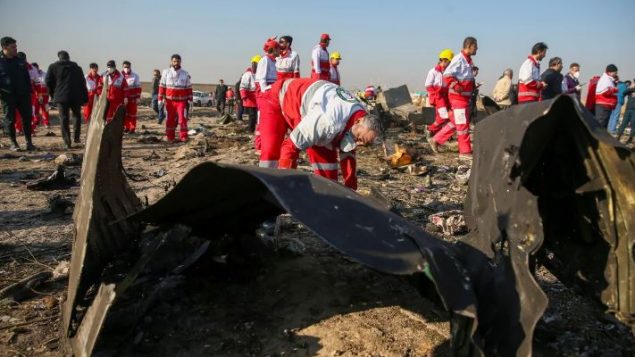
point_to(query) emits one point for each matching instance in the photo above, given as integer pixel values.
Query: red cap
(325, 36)
(270, 44)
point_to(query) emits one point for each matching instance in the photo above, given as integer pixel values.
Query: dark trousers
(12, 105)
(253, 117)
(602, 115)
(220, 106)
(64, 109)
(629, 118)
(240, 110)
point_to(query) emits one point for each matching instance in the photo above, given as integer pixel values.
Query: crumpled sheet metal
(546, 175)
(105, 198)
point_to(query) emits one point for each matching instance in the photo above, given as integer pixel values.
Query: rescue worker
(438, 93)
(288, 62)
(370, 93)
(42, 104)
(334, 73)
(15, 92)
(175, 89)
(133, 94)
(94, 85)
(320, 65)
(116, 89)
(265, 76)
(458, 77)
(529, 82)
(324, 119)
(248, 93)
(606, 95)
(229, 98)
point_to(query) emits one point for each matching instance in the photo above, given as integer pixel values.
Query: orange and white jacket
(248, 89)
(288, 65)
(266, 73)
(459, 79)
(529, 84)
(606, 92)
(133, 90)
(175, 85)
(320, 65)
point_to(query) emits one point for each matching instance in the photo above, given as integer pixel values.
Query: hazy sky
(382, 42)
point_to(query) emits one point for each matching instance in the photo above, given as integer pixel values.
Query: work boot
(14, 146)
(433, 145)
(30, 146)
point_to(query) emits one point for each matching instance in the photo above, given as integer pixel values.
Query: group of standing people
(605, 98)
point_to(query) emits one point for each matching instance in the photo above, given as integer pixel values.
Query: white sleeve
(315, 58)
(429, 78)
(188, 82)
(315, 128)
(244, 81)
(164, 78)
(524, 74)
(137, 82)
(261, 72)
(296, 64)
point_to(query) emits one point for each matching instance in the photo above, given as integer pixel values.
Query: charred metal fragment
(105, 198)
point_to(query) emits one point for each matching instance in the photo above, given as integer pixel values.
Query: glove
(578, 87)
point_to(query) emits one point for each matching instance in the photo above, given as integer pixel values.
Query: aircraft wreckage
(545, 178)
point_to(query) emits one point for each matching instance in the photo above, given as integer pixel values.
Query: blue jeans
(158, 108)
(613, 119)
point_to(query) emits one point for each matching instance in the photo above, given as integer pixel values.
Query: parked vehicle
(201, 99)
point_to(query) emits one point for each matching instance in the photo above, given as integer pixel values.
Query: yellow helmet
(336, 55)
(446, 54)
(256, 58)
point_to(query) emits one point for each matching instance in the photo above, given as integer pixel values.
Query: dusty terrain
(315, 302)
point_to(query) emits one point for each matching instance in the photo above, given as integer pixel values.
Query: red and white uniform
(288, 65)
(175, 88)
(133, 93)
(370, 93)
(266, 75)
(116, 92)
(248, 89)
(320, 64)
(606, 92)
(320, 115)
(529, 83)
(437, 98)
(334, 75)
(459, 80)
(94, 86)
(42, 104)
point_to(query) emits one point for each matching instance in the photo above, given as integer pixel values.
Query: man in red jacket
(175, 88)
(438, 93)
(116, 89)
(94, 85)
(324, 119)
(248, 93)
(529, 80)
(133, 93)
(320, 65)
(606, 95)
(458, 77)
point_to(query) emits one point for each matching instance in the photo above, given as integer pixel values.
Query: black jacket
(66, 83)
(221, 90)
(14, 78)
(554, 83)
(155, 85)
(630, 99)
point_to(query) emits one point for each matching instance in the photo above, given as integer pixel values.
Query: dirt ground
(313, 303)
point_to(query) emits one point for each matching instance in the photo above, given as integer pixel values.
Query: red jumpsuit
(320, 116)
(266, 75)
(133, 93)
(42, 104)
(116, 92)
(175, 88)
(459, 80)
(94, 85)
(438, 98)
(35, 78)
(320, 64)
